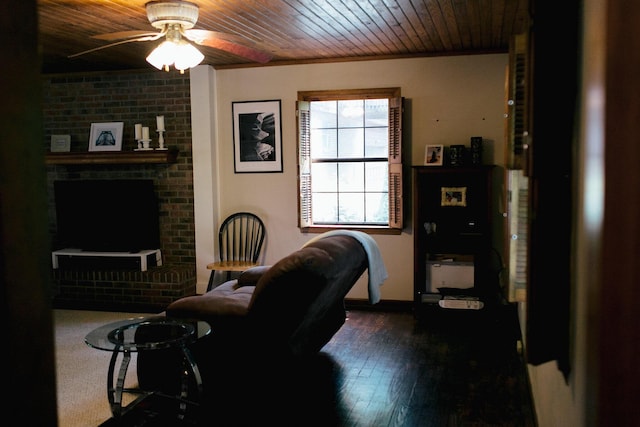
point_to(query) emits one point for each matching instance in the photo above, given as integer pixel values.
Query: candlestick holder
(161, 140)
(139, 142)
(146, 145)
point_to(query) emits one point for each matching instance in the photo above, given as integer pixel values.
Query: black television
(120, 215)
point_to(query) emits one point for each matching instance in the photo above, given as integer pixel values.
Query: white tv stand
(79, 252)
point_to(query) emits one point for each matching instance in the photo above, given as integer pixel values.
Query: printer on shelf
(449, 271)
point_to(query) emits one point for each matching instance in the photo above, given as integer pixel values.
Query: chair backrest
(240, 237)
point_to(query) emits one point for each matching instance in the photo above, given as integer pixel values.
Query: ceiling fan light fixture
(175, 20)
(181, 54)
(187, 56)
(162, 55)
(161, 13)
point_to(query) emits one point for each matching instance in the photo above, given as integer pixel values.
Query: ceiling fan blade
(139, 39)
(228, 43)
(126, 35)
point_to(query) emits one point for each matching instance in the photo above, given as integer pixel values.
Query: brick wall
(136, 291)
(72, 102)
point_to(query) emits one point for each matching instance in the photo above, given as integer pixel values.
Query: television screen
(107, 215)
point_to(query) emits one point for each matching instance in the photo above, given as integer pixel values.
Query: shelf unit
(456, 231)
(113, 157)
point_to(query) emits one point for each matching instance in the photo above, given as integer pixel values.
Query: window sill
(368, 230)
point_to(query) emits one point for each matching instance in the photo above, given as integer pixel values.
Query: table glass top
(147, 333)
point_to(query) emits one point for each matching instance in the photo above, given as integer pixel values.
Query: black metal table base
(115, 393)
(155, 410)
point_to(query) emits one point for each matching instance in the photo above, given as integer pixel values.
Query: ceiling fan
(175, 19)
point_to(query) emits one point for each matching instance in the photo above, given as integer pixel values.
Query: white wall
(205, 182)
(448, 100)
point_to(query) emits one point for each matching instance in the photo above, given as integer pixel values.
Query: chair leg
(210, 285)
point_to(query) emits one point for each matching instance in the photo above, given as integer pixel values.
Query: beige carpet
(81, 371)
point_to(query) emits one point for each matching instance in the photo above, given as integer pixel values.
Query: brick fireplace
(71, 103)
(123, 290)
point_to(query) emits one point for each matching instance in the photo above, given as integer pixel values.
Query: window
(349, 159)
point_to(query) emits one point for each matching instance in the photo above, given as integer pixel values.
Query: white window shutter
(304, 162)
(395, 164)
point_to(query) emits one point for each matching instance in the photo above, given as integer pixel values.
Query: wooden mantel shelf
(113, 157)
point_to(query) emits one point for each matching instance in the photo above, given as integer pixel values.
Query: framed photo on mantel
(60, 143)
(106, 136)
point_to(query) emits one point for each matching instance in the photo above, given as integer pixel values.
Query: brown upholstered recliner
(294, 306)
(269, 319)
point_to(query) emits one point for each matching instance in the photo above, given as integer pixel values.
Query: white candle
(145, 133)
(138, 127)
(160, 121)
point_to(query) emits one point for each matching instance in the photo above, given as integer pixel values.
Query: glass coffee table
(147, 334)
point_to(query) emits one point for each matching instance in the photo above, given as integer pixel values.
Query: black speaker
(476, 150)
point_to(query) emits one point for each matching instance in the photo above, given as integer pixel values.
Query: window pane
(376, 112)
(351, 143)
(324, 177)
(377, 176)
(324, 207)
(324, 144)
(351, 207)
(351, 113)
(323, 114)
(376, 142)
(377, 207)
(351, 177)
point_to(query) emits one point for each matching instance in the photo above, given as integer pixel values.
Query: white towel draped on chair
(377, 271)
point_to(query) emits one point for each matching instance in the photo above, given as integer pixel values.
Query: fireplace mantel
(112, 157)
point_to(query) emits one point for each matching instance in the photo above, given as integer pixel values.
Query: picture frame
(453, 196)
(60, 143)
(257, 136)
(106, 136)
(433, 155)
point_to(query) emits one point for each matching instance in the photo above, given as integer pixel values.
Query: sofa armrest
(251, 276)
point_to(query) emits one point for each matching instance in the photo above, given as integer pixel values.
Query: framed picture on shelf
(453, 196)
(60, 143)
(257, 136)
(433, 155)
(106, 136)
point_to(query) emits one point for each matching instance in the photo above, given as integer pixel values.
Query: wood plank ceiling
(291, 31)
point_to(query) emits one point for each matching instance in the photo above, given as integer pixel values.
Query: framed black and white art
(257, 136)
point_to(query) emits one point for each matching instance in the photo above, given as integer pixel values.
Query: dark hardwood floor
(440, 368)
(443, 368)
